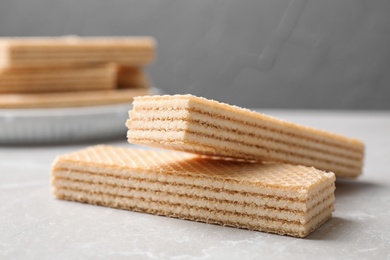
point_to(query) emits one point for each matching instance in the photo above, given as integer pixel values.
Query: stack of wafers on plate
(232, 167)
(73, 71)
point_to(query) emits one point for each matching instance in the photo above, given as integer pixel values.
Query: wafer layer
(62, 51)
(198, 125)
(277, 198)
(70, 99)
(58, 79)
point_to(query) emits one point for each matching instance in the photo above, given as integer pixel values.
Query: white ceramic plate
(64, 125)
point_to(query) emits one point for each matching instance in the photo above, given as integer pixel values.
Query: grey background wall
(255, 53)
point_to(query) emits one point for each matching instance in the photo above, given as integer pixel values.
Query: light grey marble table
(34, 225)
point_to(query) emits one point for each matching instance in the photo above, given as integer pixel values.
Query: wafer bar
(132, 77)
(194, 124)
(58, 79)
(65, 51)
(276, 198)
(71, 99)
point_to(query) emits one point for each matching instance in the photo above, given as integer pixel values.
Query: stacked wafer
(277, 198)
(35, 72)
(197, 125)
(245, 169)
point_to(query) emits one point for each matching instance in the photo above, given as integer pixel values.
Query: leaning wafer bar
(198, 125)
(70, 99)
(132, 77)
(58, 79)
(66, 51)
(277, 198)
